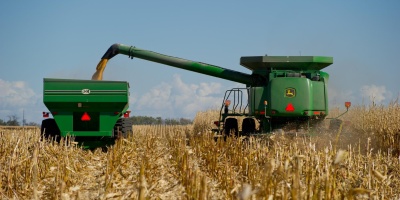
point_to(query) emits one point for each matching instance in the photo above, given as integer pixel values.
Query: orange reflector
(85, 117)
(317, 112)
(347, 104)
(216, 123)
(262, 113)
(126, 114)
(289, 107)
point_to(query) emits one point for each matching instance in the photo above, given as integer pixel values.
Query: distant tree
(145, 120)
(12, 121)
(170, 121)
(2, 122)
(183, 121)
(158, 120)
(32, 124)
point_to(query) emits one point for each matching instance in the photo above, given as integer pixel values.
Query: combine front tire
(231, 127)
(248, 126)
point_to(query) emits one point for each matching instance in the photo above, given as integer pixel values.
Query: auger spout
(199, 67)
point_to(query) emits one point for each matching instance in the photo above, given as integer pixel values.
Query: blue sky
(66, 39)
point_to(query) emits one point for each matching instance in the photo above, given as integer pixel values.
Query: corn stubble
(360, 161)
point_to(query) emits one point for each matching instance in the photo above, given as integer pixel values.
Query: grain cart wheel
(118, 129)
(231, 127)
(123, 127)
(127, 124)
(49, 129)
(248, 126)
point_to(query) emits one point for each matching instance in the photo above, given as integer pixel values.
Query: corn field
(359, 161)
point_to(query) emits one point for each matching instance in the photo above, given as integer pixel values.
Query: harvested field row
(184, 162)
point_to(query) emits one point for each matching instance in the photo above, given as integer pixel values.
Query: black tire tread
(123, 126)
(248, 126)
(231, 125)
(49, 129)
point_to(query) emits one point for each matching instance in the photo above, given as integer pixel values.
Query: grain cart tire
(123, 127)
(231, 127)
(118, 129)
(248, 126)
(49, 129)
(127, 124)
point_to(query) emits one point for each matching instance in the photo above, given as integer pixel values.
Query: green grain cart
(94, 112)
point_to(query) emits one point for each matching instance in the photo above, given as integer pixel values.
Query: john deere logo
(290, 92)
(85, 91)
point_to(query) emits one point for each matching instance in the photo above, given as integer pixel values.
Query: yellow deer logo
(290, 92)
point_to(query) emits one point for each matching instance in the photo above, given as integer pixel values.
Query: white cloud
(375, 94)
(337, 97)
(16, 94)
(179, 99)
(17, 98)
(156, 98)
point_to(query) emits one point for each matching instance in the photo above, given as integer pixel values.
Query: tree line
(14, 121)
(146, 120)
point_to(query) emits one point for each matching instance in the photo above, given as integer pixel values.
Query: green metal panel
(256, 102)
(299, 94)
(256, 63)
(318, 92)
(280, 100)
(69, 99)
(325, 78)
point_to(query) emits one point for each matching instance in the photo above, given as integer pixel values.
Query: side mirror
(347, 104)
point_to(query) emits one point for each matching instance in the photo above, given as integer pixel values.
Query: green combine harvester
(281, 90)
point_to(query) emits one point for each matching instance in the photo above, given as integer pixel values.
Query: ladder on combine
(232, 106)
